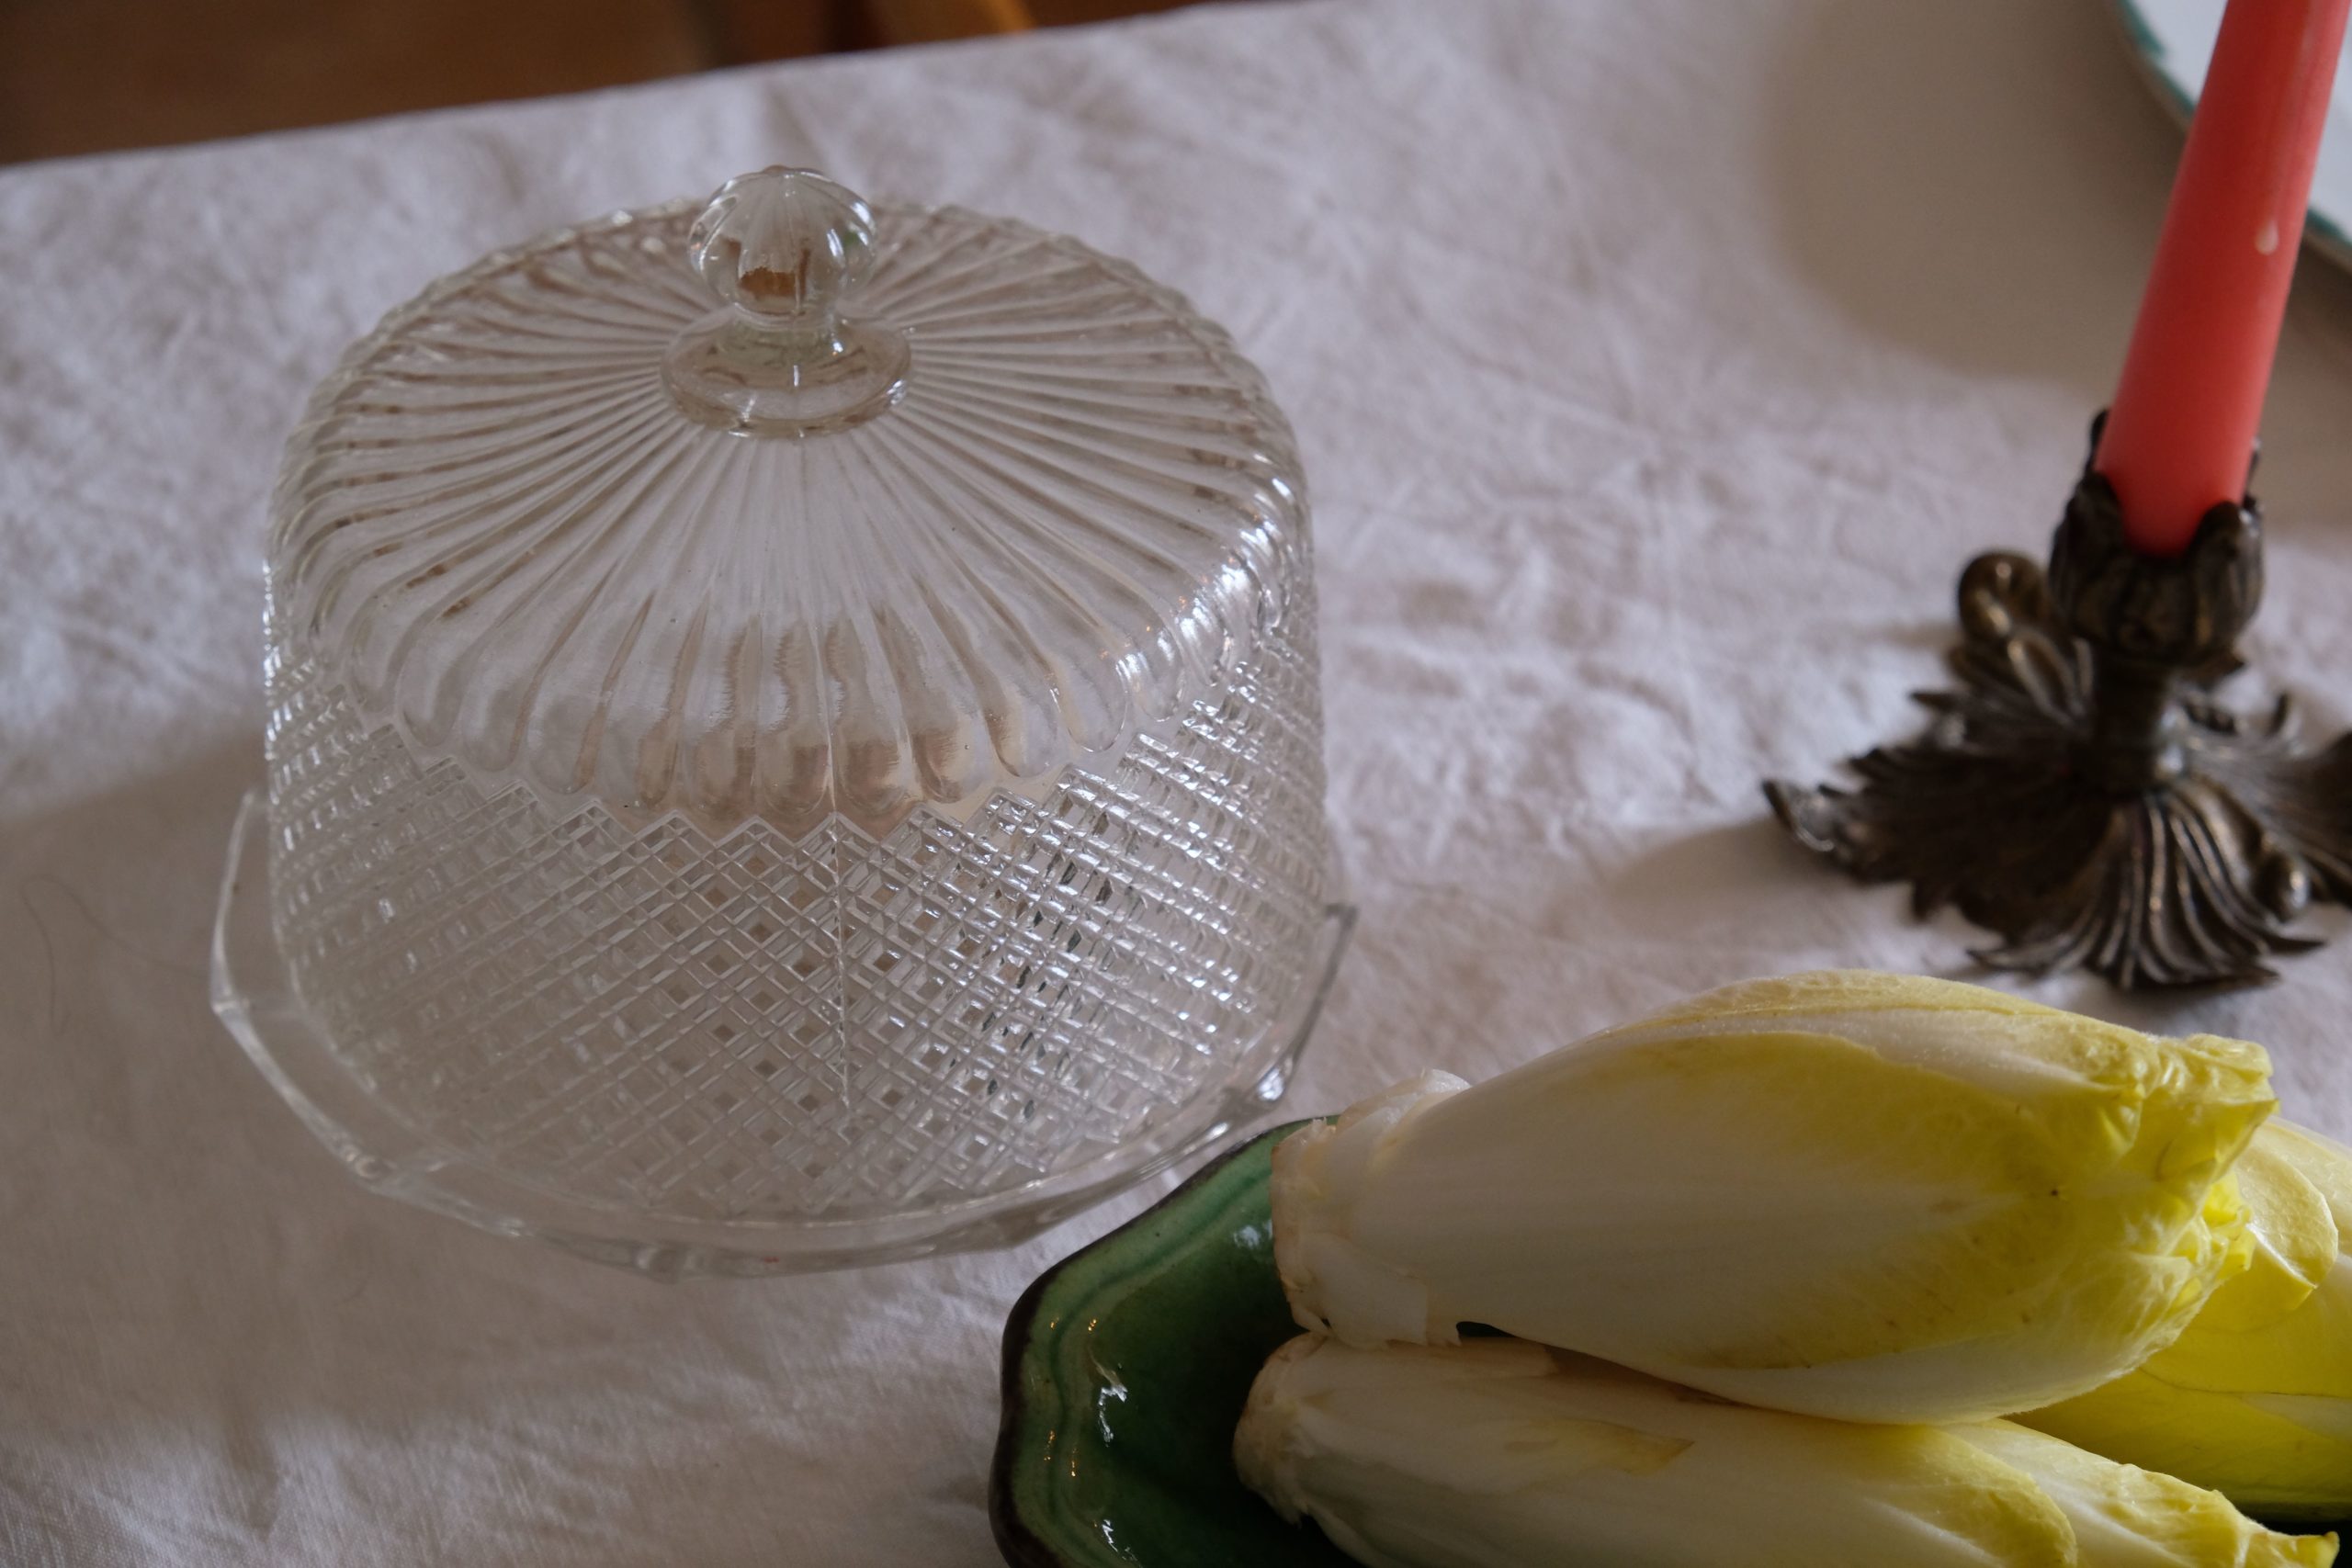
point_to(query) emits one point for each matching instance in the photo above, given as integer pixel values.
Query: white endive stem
(1496, 1453)
(2255, 1398)
(1856, 1195)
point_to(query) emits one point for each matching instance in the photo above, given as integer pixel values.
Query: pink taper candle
(2180, 432)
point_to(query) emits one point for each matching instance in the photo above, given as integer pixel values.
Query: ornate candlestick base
(2082, 795)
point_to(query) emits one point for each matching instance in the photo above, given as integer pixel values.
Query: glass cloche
(793, 739)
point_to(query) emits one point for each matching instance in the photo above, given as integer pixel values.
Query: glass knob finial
(784, 250)
(783, 242)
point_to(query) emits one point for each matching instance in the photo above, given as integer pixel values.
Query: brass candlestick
(2082, 793)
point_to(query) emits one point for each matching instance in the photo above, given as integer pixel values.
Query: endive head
(2294, 1185)
(2285, 1456)
(1853, 1194)
(2255, 1398)
(1498, 1452)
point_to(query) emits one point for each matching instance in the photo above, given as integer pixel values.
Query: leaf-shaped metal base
(2081, 794)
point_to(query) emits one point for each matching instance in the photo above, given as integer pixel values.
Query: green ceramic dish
(1125, 1367)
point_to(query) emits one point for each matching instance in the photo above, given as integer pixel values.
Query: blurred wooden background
(95, 75)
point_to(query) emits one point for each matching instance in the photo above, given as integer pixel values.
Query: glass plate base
(253, 994)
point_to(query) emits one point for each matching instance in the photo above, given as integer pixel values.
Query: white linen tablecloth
(1656, 365)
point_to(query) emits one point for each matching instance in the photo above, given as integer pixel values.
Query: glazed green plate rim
(2172, 44)
(1064, 1490)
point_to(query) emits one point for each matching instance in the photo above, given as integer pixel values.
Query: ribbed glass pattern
(496, 527)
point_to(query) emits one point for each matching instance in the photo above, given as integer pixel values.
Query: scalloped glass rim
(253, 994)
(1077, 522)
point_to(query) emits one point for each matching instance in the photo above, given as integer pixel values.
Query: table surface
(1657, 367)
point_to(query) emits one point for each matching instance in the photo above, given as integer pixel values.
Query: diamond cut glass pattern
(820, 771)
(837, 1025)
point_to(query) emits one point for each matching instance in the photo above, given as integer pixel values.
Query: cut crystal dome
(784, 506)
(794, 741)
